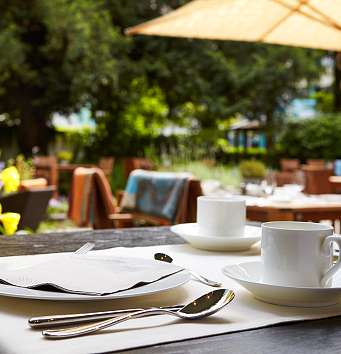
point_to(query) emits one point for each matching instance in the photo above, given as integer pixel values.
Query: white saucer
(192, 234)
(248, 275)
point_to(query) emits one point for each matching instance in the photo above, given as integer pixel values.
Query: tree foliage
(216, 79)
(312, 138)
(58, 56)
(55, 56)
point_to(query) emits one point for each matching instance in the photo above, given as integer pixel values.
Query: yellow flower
(10, 222)
(10, 178)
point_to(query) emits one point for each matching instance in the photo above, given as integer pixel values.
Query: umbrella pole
(337, 82)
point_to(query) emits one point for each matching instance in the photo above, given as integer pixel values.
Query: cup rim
(221, 199)
(296, 226)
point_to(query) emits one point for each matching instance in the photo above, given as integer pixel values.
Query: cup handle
(326, 248)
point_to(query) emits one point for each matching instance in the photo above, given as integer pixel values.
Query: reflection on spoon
(204, 306)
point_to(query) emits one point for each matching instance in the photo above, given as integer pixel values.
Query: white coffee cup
(298, 253)
(217, 216)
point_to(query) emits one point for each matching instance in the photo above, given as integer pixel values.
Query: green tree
(55, 55)
(218, 79)
(312, 138)
(58, 56)
(270, 76)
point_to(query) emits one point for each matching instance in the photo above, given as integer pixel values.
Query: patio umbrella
(302, 23)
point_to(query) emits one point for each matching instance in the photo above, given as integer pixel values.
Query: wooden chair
(290, 165)
(288, 173)
(136, 163)
(187, 208)
(317, 180)
(285, 177)
(106, 213)
(47, 167)
(79, 196)
(106, 164)
(316, 163)
(30, 204)
(92, 203)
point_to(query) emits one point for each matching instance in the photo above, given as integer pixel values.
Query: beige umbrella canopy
(301, 23)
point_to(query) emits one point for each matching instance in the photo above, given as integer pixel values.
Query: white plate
(163, 284)
(248, 275)
(191, 233)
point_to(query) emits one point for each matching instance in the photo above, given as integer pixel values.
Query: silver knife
(56, 320)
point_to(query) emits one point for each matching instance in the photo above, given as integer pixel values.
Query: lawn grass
(56, 226)
(57, 219)
(227, 175)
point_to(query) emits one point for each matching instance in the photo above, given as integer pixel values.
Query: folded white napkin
(84, 274)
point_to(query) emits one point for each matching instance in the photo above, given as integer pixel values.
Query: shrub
(24, 167)
(252, 169)
(65, 155)
(318, 137)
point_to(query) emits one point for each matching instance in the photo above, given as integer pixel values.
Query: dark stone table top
(72, 240)
(319, 336)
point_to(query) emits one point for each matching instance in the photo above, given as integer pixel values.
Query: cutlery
(165, 258)
(204, 306)
(54, 320)
(85, 248)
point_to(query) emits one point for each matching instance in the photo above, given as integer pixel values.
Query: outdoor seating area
(305, 191)
(170, 176)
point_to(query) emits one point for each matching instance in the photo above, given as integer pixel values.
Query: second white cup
(221, 217)
(298, 254)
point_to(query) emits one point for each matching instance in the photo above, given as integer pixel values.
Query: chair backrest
(104, 201)
(106, 164)
(317, 180)
(79, 197)
(31, 205)
(91, 200)
(316, 162)
(188, 207)
(290, 165)
(161, 198)
(136, 163)
(47, 167)
(285, 177)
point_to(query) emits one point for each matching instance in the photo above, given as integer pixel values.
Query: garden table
(300, 211)
(335, 181)
(319, 336)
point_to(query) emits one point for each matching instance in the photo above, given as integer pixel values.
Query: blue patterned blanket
(154, 193)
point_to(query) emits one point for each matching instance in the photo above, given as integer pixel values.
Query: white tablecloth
(244, 313)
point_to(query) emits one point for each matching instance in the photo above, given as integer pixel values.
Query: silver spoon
(165, 258)
(204, 306)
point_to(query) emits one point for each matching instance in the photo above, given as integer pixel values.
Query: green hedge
(318, 137)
